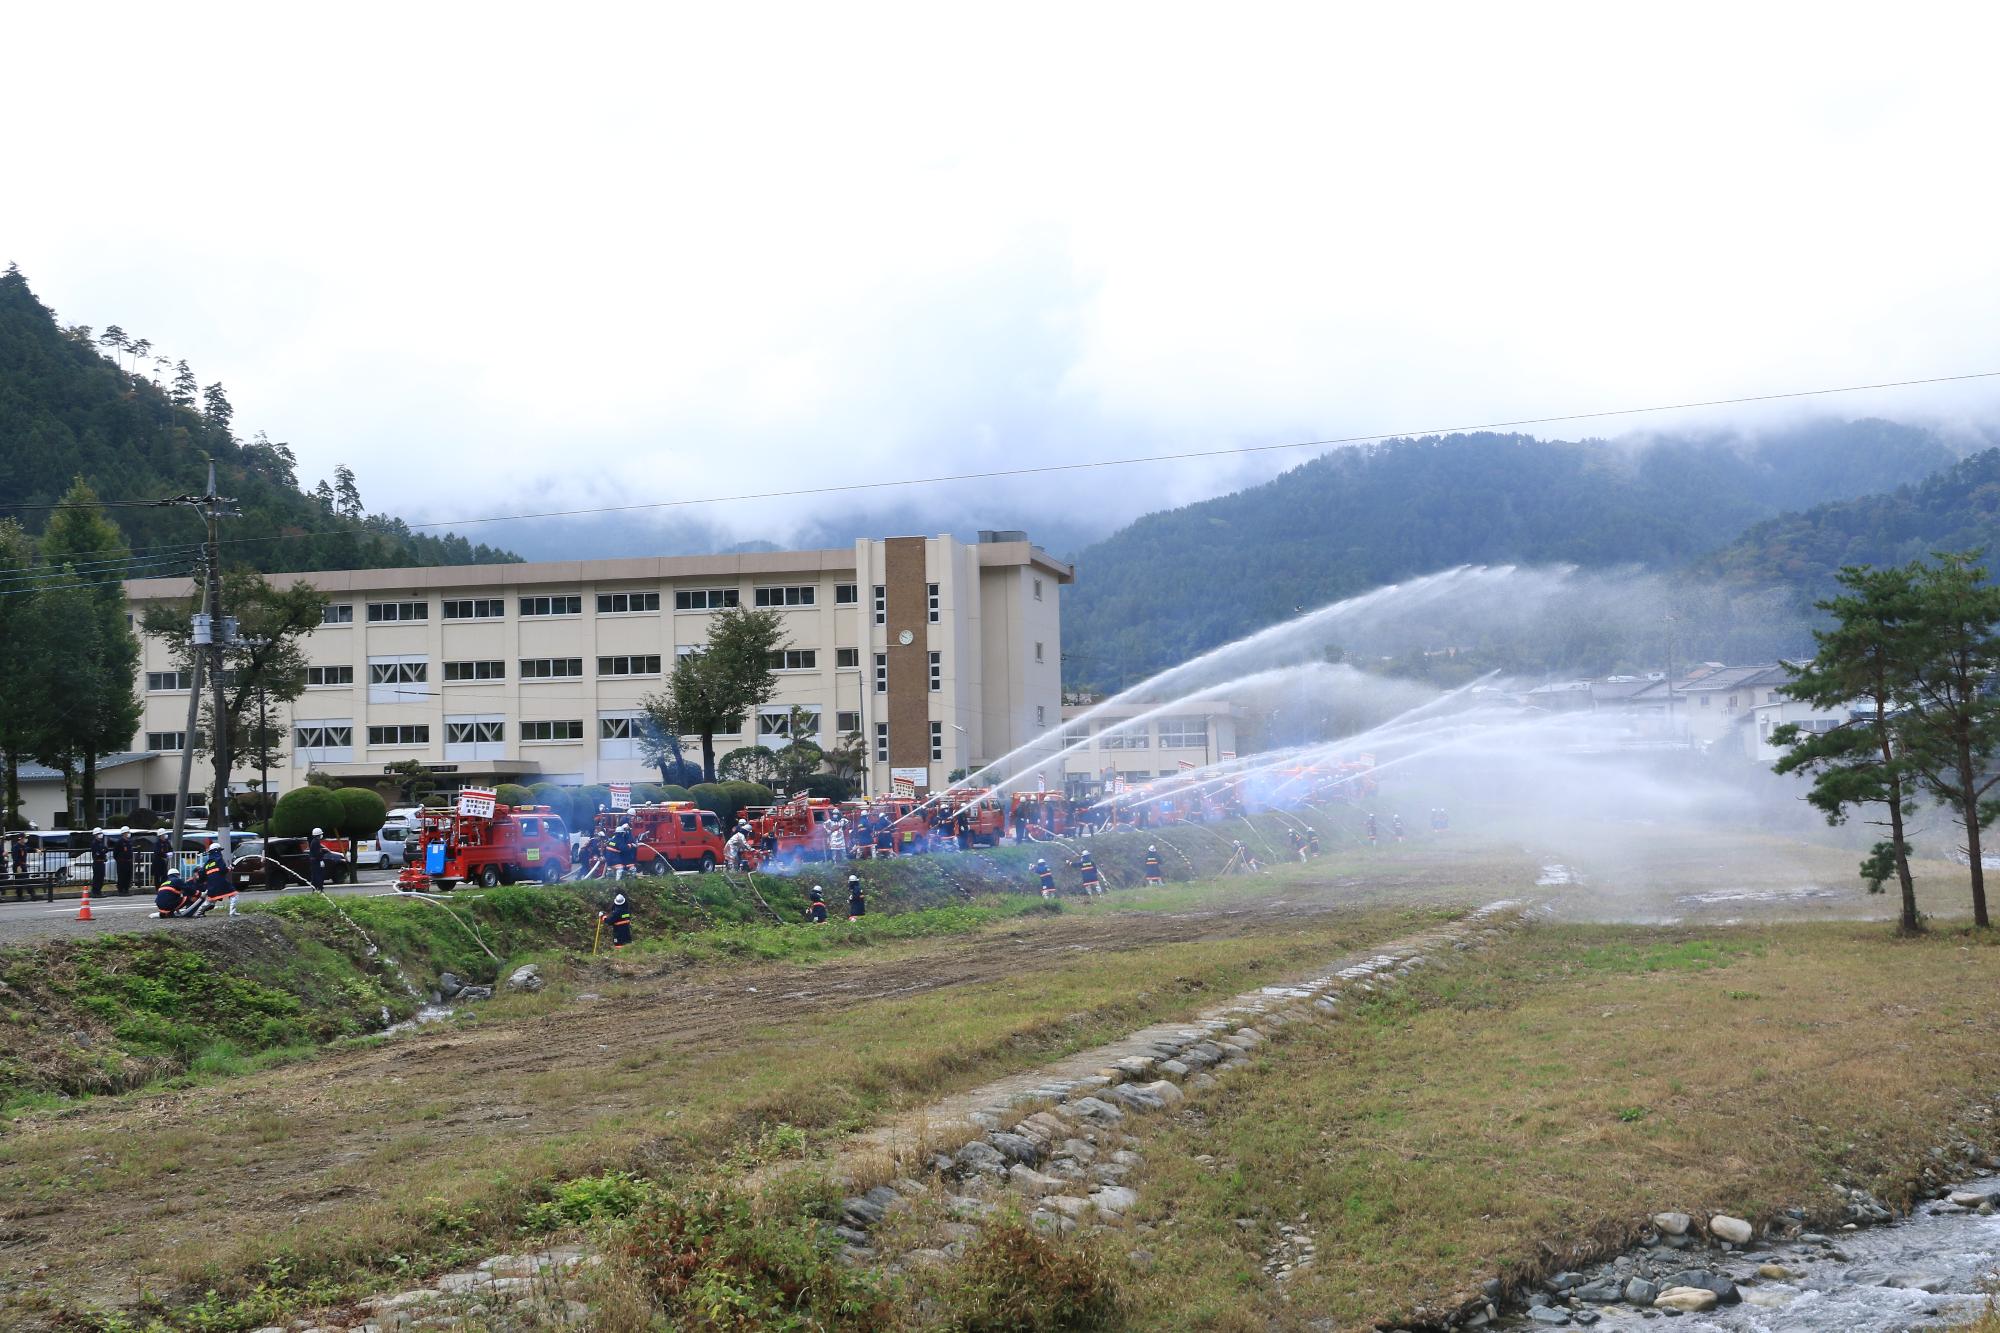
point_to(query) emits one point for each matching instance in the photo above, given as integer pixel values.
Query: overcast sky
(501, 258)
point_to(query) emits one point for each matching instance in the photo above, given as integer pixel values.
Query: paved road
(39, 920)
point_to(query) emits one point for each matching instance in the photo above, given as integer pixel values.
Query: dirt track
(252, 1156)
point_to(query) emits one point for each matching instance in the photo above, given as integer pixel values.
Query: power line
(1044, 469)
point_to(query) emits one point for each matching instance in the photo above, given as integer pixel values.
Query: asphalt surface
(41, 920)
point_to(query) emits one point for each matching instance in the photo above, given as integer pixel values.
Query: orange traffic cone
(83, 911)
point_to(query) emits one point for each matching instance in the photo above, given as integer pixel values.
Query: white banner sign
(902, 787)
(477, 802)
(621, 796)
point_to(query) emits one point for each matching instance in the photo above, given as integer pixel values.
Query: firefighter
(214, 881)
(624, 852)
(1371, 830)
(161, 862)
(962, 823)
(857, 901)
(1046, 876)
(1439, 820)
(737, 850)
(885, 835)
(836, 838)
(121, 857)
(1087, 868)
(172, 898)
(100, 854)
(1298, 844)
(1396, 826)
(316, 859)
(1312, 842)
(1153, 875)
(19, 854)
(619, 917)
(816, 909)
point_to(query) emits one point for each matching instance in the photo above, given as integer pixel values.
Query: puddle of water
(1556, 874)
(426, 1013)
(1803, 893)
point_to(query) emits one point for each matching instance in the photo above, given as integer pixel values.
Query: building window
(618, 735)
(775, 723)
(881, 673)
(464, 671)
(568, 730)
(624, 603)
(397, 680)
(937, 740)
(617, 728)
(937, 672)
(1041, 716)
(704, 599)
(686, 650)
(337, 613)
(881, 742)
(476, 732)
(881, 604)
(1132, 738)
(551, 668)
(170, 681)
(846, 594)
(166, 742)
(322, 735)
(405, 734)
(1183, 733)
(845, 658)
(642, 664)
(1704, 701)
(552, 606)
(931, 590)
(116, 804)
(327, 677)
(795, 659)
(789, 595)
(474, 608)
(847, 723)
(384, 612)
(1038, 652)
(1038, 590)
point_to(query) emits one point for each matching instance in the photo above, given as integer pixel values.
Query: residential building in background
(1130, 751)
(940, 654)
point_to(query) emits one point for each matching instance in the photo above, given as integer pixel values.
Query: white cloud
(502, 258)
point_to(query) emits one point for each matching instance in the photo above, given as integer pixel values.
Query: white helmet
(1151, 848)
(98, 832)
(854, 879)
(617, 900)
(319, 833)
(624, 828)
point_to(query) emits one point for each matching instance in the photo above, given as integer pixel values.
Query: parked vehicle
(680, 833)
(517, 842)
(281, 863)
(391, 842)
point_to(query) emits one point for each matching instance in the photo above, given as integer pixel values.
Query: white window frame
(1183, 733)
(176, 682)
(846, 722)
(937, 673)
(847, 659)
(646, 664)
(795, 659)
(784, 596)
(931, 592)
(409, 680)
(552, 723)
(881, 742)
(484, 670)
(1038, 590)
(477, 608)
(480, 736)
(329, 732)
(409, 735)
(606, 603)
(881, 673)
(625, 746)
(529, 677)
(323, 683)
(336, 613)
(881, 604)
(551, 605)
(166, 742)
(847, 594)
(937, 740)
(405, 612)
(710, 599)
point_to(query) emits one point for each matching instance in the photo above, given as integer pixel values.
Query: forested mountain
(67, 410)
(1957, 509)
(1180, 581)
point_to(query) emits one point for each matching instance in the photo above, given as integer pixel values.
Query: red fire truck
(973, 815)
(794, 831)
(1037, 815)
(516, 842)
(672, 835)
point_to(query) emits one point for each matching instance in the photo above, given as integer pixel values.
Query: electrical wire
(1044, 469)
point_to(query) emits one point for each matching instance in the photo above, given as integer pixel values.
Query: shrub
(726, 798)
(748, 763)
(828, 786)
(606, 1197)
(361, 812)
(513, 793)
(556, 798)
(1014, 1279)
(303, 809)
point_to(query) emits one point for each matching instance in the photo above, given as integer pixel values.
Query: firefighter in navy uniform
(624, 852)
(214, 882)
(100, 856)
(172, 897)
(1087, 868)
(1153, 875)
(1396, 826)
(1298, 844)
(619, 917)
(316, 860)
(121, 857)
(1312, 842)
(816, 909)
(1371, 830)
(857, 901)
(1046, 876)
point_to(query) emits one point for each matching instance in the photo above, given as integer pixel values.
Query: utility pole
(209, 634)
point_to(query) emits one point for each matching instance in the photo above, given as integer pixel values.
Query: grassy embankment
(120, 1011)
(399, 1163)
(1532, 1106)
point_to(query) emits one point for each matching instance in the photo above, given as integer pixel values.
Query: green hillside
(1181, 581)
(67, 409)
(1957, 509)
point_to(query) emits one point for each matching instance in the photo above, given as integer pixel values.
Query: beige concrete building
(940, 654)
(1162, 746)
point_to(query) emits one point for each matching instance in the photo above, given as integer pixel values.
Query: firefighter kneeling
(175, 899)
(816, 910)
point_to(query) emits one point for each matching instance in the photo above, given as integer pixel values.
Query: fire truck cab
(518, 842)
(794, 831)
(672, 835)
(973, 815)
